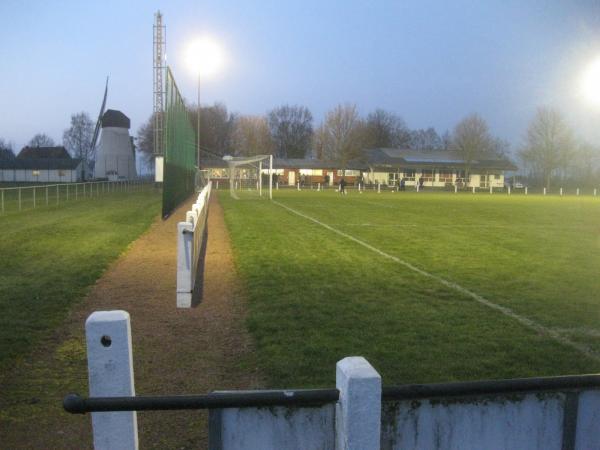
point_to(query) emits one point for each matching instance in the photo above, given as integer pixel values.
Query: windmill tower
(115, 158)
(159, 43)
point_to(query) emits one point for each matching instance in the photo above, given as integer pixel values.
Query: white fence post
(110, 371)
(185, 264)
(508, 190)
(298, 185)
(561, 192)
(525, 190)
(595, 191)
(19, 199)
(473, 189)
(455, 189)
(491, 189)
(358, 412)
(544, 191)
(379, 188)
(577, 192)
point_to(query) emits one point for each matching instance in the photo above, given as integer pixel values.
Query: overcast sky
(431, 62)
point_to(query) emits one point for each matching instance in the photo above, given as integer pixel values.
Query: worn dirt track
(175, 351)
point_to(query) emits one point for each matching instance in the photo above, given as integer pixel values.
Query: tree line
(551, 153)
(288, 131)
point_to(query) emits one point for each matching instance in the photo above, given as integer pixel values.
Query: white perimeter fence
(21, 198)
(552, 413)
(191, 236)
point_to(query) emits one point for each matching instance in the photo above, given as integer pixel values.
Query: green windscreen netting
(179, 149)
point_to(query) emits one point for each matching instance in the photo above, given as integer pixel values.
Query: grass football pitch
(427, 286)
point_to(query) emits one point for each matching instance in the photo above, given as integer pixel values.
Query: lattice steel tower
(160, 42)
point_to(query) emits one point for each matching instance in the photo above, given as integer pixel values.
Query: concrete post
(358, 412)
(185, 250)
(110, 371)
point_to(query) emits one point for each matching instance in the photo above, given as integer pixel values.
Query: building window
(497, 176)
(348, 173)
(61, 173)
(445, 176)
(35, 173)
(392, 178)
(427, 174)
(409, 175)
(460, 176)
(311, 172)
(483, 181)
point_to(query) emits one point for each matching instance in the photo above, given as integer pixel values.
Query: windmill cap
(114, 118)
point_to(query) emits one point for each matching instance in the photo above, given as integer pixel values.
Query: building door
(291, 178)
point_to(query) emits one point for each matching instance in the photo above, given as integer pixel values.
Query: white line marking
(529, 323)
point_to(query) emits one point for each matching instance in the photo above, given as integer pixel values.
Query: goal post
(250, 174)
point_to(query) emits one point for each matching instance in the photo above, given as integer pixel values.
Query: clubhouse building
(385, 166)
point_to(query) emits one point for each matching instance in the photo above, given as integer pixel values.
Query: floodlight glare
(205, 57)
(590, 83)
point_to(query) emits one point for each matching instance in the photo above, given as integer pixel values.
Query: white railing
(190, 243)
(20, 198)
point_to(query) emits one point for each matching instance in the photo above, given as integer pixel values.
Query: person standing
(343, 186)
(403, 184)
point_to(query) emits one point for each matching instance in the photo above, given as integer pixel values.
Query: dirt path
(175, 351)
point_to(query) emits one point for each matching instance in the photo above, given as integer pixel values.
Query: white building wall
(475, 179)
(114, 157)
(44, 177)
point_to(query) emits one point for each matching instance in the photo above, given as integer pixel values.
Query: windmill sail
(99, 121)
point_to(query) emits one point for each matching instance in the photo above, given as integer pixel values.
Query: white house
(41, 165)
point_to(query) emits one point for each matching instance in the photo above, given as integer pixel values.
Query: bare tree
(145, 138)
(251, 136)
(386, 129)
(472, 139)
(6, 150)
(77, 139)
(343, 134)
(548, 143)
(41, 140)
(291, 130)
(425, 139)
(216, 128)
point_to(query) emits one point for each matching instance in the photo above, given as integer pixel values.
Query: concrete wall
(273, 428)
(533, 421)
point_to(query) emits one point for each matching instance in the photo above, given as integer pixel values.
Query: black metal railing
(491, 387)
(76, 404)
